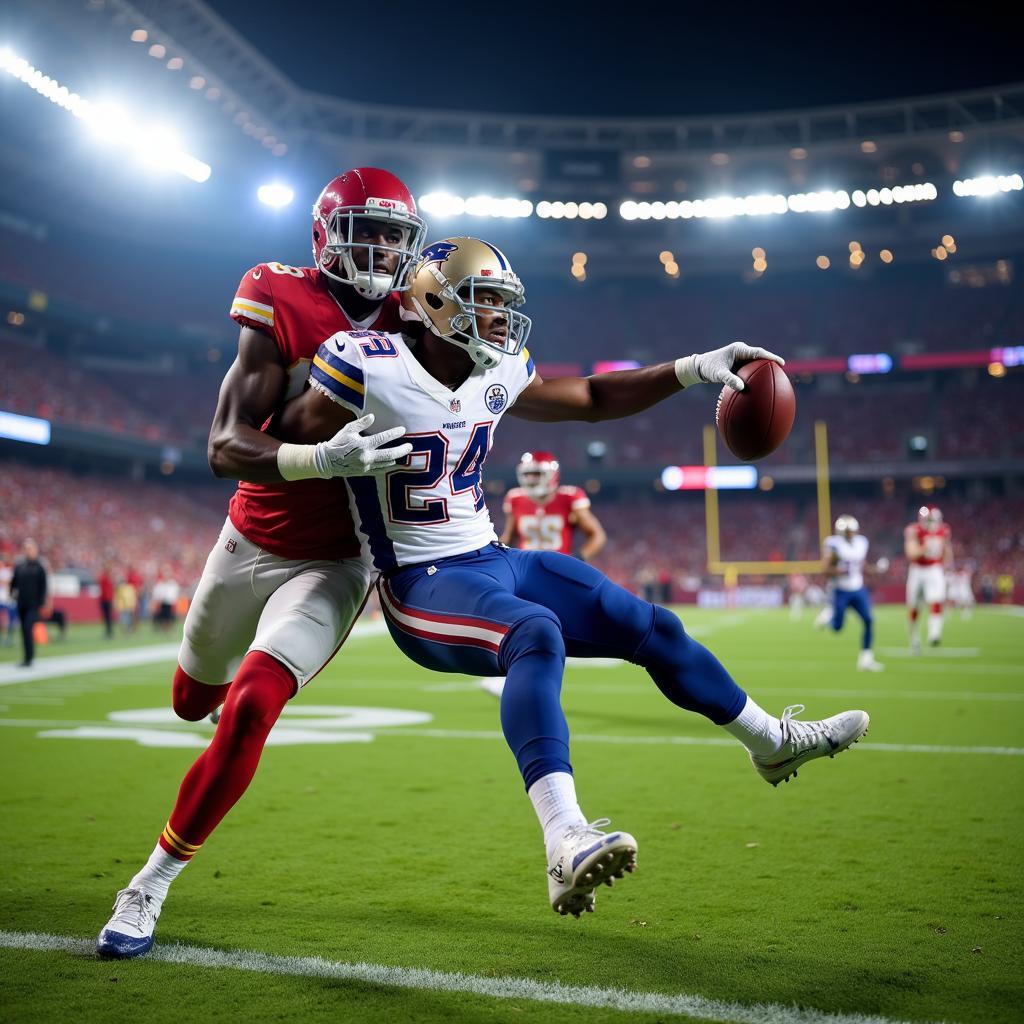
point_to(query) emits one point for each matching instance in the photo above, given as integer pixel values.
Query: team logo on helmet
(438, 252)
(497, 398)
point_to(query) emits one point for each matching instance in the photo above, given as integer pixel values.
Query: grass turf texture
(881, 882)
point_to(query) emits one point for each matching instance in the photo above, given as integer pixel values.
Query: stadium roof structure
(247, 80)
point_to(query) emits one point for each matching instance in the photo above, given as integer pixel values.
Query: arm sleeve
(253, 304)
(579, 499)
(337, 372)
(525, 372)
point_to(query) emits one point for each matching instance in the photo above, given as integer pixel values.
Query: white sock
(159, 871)
(554, 800)
(934, 627)
(758, 731)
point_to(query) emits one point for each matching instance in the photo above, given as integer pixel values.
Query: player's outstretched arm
(595, 537)
(609, 396)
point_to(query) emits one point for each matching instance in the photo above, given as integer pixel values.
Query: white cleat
(915, 646)
(805, 741)
(494, 685)
(824, 618)
(129, 932)
(866, 663)
(585, 858)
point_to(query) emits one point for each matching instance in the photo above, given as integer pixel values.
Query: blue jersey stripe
(345, 393)
(371, 521)
(347, 368)
(531, 369)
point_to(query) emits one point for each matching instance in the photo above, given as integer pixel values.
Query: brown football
(755, 421)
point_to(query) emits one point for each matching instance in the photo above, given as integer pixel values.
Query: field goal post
(732, 570)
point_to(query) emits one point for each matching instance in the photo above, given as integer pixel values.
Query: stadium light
(275, 194)
(988, 185)
(15, 427)
(444, 204)
(156, 145)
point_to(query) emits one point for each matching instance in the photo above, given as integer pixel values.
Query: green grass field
(886, 882)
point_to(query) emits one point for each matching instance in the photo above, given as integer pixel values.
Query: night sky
(574, 59)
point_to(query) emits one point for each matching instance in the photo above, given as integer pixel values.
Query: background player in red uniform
(284, 583)
(928, 545)
(541, 515)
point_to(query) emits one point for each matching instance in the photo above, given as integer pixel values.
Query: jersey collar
(469, 387)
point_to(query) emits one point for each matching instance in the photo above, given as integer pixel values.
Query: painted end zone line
(439, 981)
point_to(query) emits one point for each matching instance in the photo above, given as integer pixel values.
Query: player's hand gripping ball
(755, 421)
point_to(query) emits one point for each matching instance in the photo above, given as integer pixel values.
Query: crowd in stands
(90, 525)
(86, 524)
(869, 420)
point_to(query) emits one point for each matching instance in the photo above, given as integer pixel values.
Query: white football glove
(715, 367)
(882, 565)
(348, 453)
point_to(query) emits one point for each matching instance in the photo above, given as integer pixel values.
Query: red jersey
(303, 518)
(545, 526)
(932, 543)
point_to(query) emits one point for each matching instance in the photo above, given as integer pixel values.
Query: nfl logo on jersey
(455, 405)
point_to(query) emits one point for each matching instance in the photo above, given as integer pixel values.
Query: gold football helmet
(442, 295)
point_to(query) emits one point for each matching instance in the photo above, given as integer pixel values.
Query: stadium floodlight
(156, 145)
(275, 194)
(15, 427)
(988, 185)
(444, 204)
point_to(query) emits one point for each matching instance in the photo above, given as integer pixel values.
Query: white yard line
(105, 661)
(698, 741)
(424, 979)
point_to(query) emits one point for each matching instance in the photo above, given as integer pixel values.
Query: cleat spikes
(585, 858)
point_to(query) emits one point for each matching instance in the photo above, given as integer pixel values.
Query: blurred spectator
(8, 610)
(126, 604)
(28, 588)
(166, 592)
(106, 584)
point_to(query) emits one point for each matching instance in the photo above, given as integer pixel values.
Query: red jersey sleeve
(579, 499)
(253, 304)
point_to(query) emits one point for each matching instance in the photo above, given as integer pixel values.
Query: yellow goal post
(732, 570)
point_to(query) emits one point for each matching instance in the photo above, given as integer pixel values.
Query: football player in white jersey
(846, 553)
(457, 600)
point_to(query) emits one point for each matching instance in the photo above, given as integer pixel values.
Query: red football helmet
(929, 517)
(537, 474)
(365, 193)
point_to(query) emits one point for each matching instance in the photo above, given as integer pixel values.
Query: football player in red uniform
(928, 545)
(284, 583)
(542, 515)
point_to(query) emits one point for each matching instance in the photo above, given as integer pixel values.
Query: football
(755, 421)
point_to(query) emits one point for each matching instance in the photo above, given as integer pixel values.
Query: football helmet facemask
(443, 296)
(929, 517)
(538, 474)
(365, 193)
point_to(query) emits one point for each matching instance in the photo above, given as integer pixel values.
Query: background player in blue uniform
(456, 600)
(846, 553)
